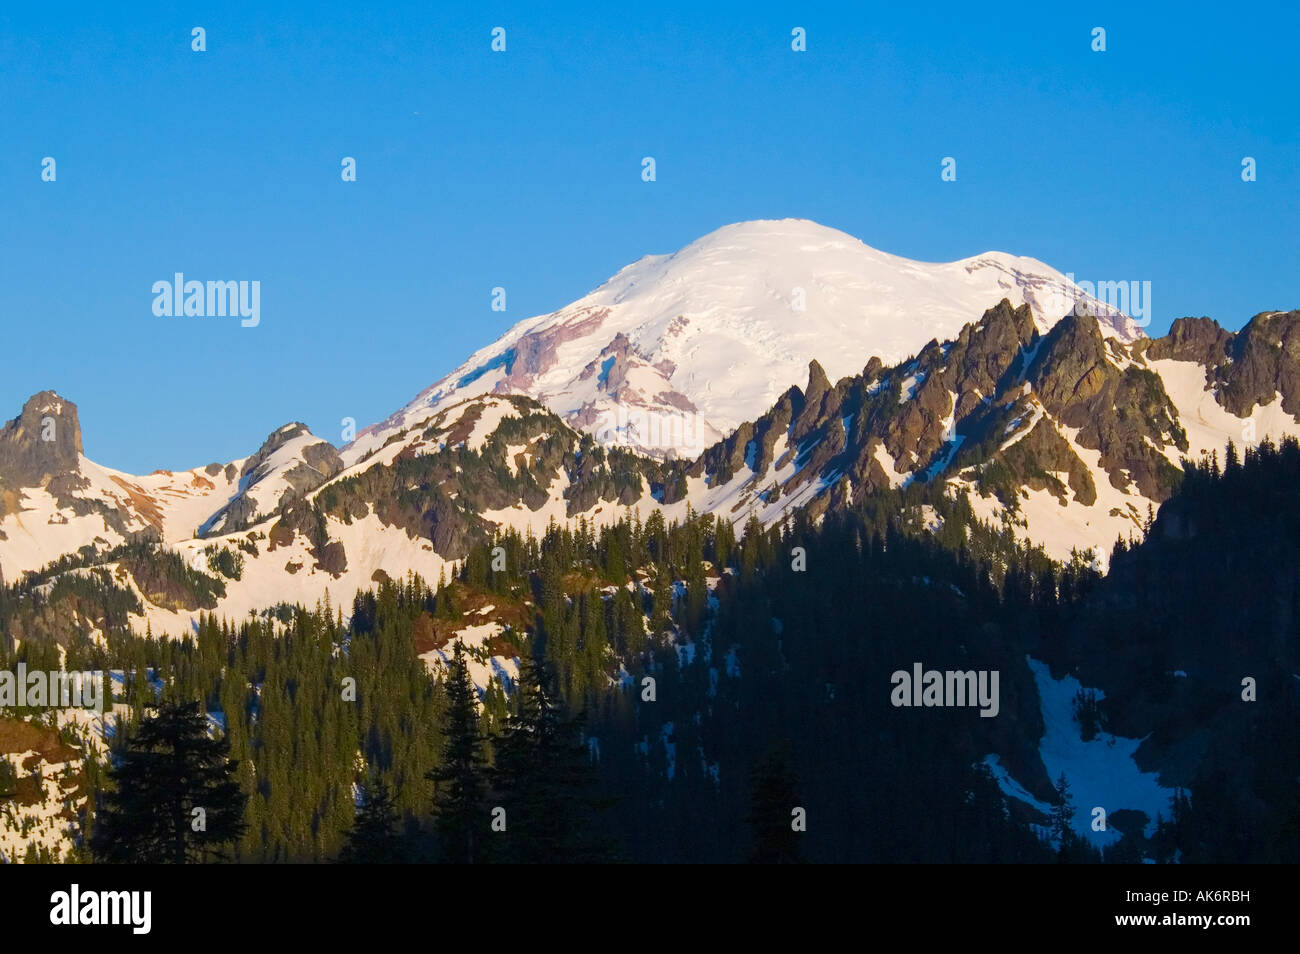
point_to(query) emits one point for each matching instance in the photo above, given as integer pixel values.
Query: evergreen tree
(1062, 815)
(661, 617)
(772, 800)
(460, 789)
(374, 839)
(545, 779)
(175, 799)
(1088, 714)
(8, 786)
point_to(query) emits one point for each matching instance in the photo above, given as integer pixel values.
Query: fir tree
(1062, 816)
(460, 780)
(772, 800)
(545, 779)
(1088, 714)
(661, 618)
(8, 786)
(175, 799)
(374, 839)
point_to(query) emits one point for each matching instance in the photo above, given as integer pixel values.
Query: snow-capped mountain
(990, 378)
(970, 401)
(55, 501)
(675, 351)
(1069, 438)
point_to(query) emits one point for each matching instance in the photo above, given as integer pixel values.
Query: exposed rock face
(754, 443)
(45, 481)
(41, 447)
(1193, 339)
(817, 399)
(290, 464)
(332, 559)
(1071, 368)
(319, 455)
(41, 442)
(913, 412)
(534, 353)
(1035, 461)
(1125, 414)
(1247, 368)
(1265, 360)
(611, 366)
(972, 368)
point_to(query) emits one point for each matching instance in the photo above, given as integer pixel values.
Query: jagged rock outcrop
(1192, 339)
(42, 442)
(1248, 368)
(290, 463)
(1264, 361)
(1123, 413)
(814, 407)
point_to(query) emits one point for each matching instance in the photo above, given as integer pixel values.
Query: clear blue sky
(522, 169)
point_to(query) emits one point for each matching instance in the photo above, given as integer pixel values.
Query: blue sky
(522, 169)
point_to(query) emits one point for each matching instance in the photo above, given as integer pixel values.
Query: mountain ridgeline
(698, 657)
(686, 647)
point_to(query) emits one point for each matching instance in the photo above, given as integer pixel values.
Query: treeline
(721, 687)
(1194, 636)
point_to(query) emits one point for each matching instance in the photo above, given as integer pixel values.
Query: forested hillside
(713, 682)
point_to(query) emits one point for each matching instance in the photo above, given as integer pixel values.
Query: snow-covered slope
(1101, 773)
(676, 350)
(55, 501)
(106, 508)
(291, 462)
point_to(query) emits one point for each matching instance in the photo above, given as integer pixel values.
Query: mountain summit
(675, 351)
(41, 442)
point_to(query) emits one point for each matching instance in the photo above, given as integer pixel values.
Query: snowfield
(1101, 773)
